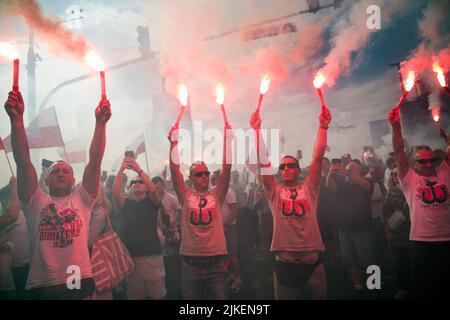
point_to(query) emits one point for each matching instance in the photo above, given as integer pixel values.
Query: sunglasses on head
(136, 182)
(425, 161)
(201, 173)
(289, 165)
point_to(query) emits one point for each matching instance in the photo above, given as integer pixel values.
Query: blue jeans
(201, 281)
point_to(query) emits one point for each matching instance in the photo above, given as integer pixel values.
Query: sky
(143, 94)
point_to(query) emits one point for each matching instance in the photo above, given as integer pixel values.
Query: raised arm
(26, 173)
(152, 191)
(174, 163)
(267, 177)
(223, 180)
(315, 169)
(398, 143)
(118, 195)
(91, 175)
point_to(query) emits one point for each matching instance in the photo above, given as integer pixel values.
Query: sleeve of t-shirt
(231, 197)
(273, 191)
(443, 167)
(36, 202)
(406, 180)
(313, 192)
(84, 195)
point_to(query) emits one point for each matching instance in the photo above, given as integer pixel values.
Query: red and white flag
(74, 151)
(42, 132)
(137, 146)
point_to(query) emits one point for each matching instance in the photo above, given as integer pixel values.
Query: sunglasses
(136, 182)
(425, 161)
(289, 165)
(201, 173)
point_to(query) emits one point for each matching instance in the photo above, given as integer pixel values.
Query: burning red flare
(96, 62)
(435, 114)
(220, 94)
(7, 50)
(439, 74)
(319, 80)
(183, 94)
(409, 82)
(264, 86)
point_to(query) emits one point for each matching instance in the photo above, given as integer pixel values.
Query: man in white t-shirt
(203, 248)
(426, 188)
(296, 239)
(58, 222)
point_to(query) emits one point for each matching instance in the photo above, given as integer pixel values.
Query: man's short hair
(157, 179)
(291, 157)
(194, 164)
(55, 163)
(417, 148)
(356, 161)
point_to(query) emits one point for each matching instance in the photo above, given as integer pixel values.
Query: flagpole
(146, 160)
(60, 135)
(146, 157)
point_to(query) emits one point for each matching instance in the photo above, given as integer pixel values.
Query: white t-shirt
(429, 203)
(201, 225)
(58, 229)
(230, 199)
(294, 210)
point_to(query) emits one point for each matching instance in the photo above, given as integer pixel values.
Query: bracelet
(140, 172)
(324, 127)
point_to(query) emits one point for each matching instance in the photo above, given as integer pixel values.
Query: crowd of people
(218, 235)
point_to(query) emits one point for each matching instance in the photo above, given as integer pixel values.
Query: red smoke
(49, 28)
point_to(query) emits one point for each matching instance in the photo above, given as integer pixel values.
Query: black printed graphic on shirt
(60, 227)
(202, 215)
(433, 195)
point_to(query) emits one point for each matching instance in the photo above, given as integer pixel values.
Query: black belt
(202, 260)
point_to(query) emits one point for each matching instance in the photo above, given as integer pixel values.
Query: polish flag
(42, 132)
(74, 151)
(137, 146)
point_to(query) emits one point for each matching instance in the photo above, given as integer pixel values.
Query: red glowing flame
(409, 82)
(319, 80)
(95, 61)
(7, 50)
(264, 87)
(183, 94)
(439, 74)
(220, 94)
(435, 114)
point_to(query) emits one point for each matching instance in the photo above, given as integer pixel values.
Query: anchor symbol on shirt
(292, 207)
(197, 215)
(428, 198)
